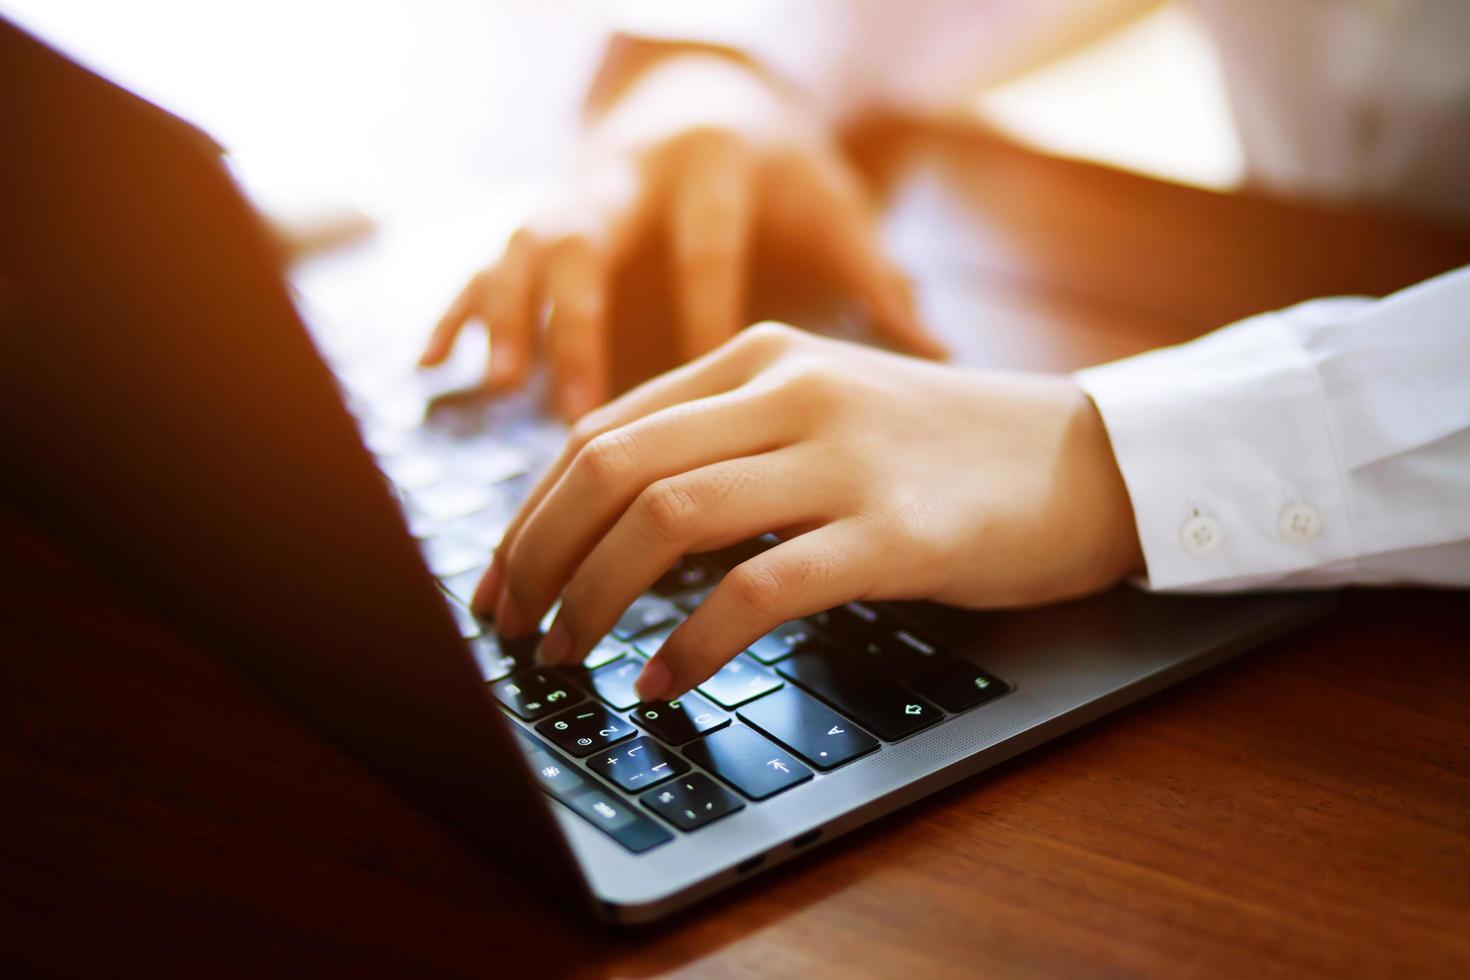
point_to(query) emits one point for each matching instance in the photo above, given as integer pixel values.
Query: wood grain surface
(1302, 811)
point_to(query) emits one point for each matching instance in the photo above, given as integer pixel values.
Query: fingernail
(510, 618)
(556, 646)
(487, 593)
(653, 683)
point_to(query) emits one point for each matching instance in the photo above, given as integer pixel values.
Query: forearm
(628, 58)
(853, 57)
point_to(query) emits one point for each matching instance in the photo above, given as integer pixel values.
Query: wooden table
(1304, 810)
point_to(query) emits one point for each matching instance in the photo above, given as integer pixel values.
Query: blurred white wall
(1150, 98)
(394, 105)
(388, 104)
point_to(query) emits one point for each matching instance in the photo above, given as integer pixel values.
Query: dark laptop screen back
(164, 412)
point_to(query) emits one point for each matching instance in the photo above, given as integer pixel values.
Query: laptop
(167, 413)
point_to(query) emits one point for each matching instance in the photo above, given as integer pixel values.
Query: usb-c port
(750, 864)
(803, 840)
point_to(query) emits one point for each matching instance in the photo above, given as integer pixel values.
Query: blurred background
(392, 106)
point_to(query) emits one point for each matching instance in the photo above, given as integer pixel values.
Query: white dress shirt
(1325, 444)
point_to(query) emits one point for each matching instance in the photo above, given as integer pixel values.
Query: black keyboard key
(555, 775)
(737, 554)
(493, 662)
(903, 653)
(687, 575)
(690, 601)
(648, 612)
(957, 685)
(535, 694)
(748, 762)
(952, 683)
(852, 623)
(613, 682)
(783, 641)
(651, 643)
(586, 729)
(808, 727)
(607, 650)
(870, 699)
(565, 782)
(638, 765)
(498, 658)
(607, 812)
(692, 802)
(682, 720)
(739, 681)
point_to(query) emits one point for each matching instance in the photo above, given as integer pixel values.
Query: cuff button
(1299, 523)
(1201, 536)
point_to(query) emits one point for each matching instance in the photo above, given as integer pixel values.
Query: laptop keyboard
(808, 698)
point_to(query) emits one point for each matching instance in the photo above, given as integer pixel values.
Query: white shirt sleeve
(1325, 444)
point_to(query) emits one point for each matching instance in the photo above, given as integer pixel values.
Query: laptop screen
(165, 414)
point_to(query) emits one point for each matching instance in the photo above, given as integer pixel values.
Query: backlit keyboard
(807, 699)
(802, 701)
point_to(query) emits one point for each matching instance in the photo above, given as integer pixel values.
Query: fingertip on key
(654, 682)
(556, 646)
(510, 619)
(487, 593)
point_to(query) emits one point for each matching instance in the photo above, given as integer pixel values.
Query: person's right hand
(703, 150)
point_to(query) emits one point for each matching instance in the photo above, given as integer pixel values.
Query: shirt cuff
(1227, 452)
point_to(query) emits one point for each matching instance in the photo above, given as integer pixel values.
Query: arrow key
(878, 703)
(745, 760)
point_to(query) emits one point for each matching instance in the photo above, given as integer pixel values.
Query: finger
(718, 371)
(615, 468)
(711, 507)
(446, 331)
(811, 572)
(710, 221)
(873, 278)
(575, 285)
(508, 312)
(849, 241)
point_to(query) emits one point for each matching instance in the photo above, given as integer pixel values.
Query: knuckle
(574, 306)
(523, 240)
(589, 427)
(669, 510)
(574, 244)
(608, 459)
(815, 384)
(705, 141)
(757, 587)
(769, 336)
(573, 257)
(577, 600)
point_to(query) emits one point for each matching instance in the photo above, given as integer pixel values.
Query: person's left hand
(886, 477)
